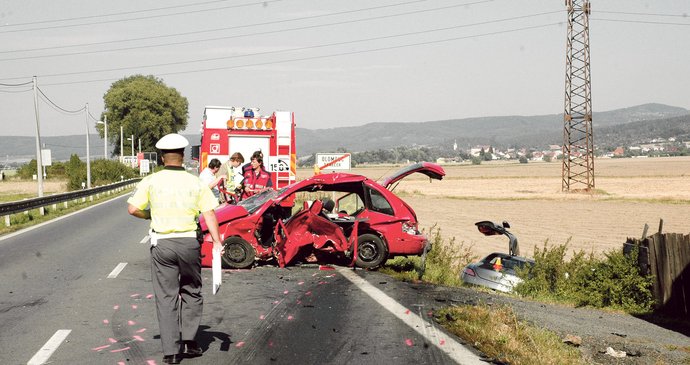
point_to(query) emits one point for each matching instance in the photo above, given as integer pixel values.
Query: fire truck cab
(226, 130)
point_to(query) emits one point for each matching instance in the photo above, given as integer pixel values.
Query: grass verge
(23, 220)
(499, 334)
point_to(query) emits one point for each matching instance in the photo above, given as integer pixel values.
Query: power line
(324, 56)
(254, 25)
(59, 108)
(22, 84)
(140, 18)
(94, 118)
(302, 48)
(684, 15)
(638, 21)
(16, 91)
(111, 14)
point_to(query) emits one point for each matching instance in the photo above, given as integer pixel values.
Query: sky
(334, 63)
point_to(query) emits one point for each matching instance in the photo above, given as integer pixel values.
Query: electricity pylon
(578, 145)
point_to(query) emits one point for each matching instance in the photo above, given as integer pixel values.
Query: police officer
(175, 198)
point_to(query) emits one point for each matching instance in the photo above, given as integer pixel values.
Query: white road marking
(117, 270)
(10, 235)
(145, 239)
(449, 346)
(42, 356)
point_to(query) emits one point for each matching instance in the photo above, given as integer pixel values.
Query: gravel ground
(642, 341)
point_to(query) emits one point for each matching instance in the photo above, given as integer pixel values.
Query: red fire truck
(226, 130)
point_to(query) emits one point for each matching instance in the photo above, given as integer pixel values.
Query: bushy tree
(146, 108)
(76, 172)
(28, 170)
(102, 172)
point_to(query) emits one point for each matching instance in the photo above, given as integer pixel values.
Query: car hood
(429, 169)
(224, 214)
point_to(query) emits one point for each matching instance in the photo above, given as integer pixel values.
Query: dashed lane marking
(42, 356)
(145, 239)
(117, 270)
(449, 346)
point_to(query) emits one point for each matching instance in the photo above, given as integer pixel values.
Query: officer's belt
(161, 236)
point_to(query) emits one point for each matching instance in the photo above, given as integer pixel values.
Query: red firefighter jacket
(254, 181)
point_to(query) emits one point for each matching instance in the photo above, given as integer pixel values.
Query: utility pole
(88, 153)
(39, 158)
(122, 153)
(578, 145)
(105, 146)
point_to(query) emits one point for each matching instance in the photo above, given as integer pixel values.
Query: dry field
(629, 193)
(15, 187)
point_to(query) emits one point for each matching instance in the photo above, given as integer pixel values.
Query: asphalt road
(78, 291)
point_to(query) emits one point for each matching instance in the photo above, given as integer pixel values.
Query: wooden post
(7, 220)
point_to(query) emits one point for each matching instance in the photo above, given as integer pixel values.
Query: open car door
(309, 227)
(429, 169)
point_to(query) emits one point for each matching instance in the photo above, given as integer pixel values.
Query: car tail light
(409, 228)
(470, 272)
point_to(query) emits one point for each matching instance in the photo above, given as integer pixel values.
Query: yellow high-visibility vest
(175, 198)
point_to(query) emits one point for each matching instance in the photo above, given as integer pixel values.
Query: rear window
(379, 203)
(509, 263)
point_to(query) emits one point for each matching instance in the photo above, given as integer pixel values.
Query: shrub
(27, 171)
(476, 160)
(523, 159)
(614, 281)
(102, 172)
(443, 264)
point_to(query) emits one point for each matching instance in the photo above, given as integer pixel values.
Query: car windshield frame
(256, 201)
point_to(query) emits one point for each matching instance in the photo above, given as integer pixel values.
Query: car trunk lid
(429, 169)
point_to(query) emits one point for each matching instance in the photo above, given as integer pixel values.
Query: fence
(667, 257)
(7, 209)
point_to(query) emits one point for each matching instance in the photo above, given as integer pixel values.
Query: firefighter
(172, 199)
(257, 178)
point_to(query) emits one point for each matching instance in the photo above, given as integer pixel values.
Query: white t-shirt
(207, 177)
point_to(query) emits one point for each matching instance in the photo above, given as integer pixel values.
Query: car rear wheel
(371, 251)
(239, 254)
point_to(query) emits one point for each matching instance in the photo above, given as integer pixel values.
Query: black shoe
(192, 349)
(172, 359)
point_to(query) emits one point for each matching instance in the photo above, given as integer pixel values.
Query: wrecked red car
(336, 216)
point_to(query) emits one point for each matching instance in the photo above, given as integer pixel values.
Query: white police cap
(172, 141)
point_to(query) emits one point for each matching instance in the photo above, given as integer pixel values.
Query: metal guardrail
(6, 209)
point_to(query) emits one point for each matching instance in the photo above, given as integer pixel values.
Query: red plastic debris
(120, 350)
(326, 267)
(240, 344)
(409, 342)
(99, 348)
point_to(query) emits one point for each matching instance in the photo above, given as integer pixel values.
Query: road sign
(333, 161)
(46, 158)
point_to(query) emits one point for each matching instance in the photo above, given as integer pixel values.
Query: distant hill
(536, 131)
(612, 128)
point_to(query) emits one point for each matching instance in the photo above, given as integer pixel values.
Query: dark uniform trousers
(176, 276)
